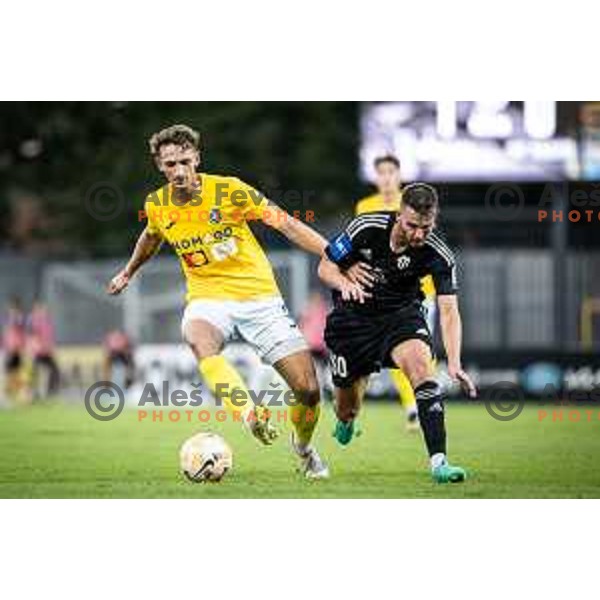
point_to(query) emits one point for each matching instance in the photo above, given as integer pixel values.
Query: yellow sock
(405, 391)
(223, 380)
(304, 419)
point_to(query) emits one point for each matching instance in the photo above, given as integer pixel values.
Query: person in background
(312, 324)
(40, 329)
(119, 365)
(13, 346)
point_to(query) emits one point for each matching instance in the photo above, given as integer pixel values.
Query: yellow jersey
(377, 203)
(219, 255)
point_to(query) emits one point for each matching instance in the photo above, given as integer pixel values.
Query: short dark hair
(181, 135)
(421, 197)
(387, 158)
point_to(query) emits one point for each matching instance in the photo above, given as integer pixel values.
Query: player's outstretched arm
(294, 230)
(332, 276)
(451, 326)
(145, 248)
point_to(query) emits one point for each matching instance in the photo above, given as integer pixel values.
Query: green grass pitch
(56, 451)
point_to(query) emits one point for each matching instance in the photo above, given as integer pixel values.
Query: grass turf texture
(58, 451)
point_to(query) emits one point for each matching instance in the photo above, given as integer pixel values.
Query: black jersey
(397, 274)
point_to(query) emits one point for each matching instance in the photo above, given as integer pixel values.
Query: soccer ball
(205, 457)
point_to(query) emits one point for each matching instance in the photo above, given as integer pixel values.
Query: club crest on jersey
(403, 262)
(215, 216)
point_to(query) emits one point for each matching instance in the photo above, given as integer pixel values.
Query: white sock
(437, 460)
(302, 450)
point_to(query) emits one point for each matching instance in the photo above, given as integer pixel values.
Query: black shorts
(361, 344)
(125, 358)
(12, 361)
(46, 360)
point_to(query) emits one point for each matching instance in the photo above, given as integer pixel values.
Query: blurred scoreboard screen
(590, 140)
(473, 141)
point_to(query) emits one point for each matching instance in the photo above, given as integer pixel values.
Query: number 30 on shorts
(338, 365)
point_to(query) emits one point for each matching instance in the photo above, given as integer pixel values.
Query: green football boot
(344, 432)
(446, 473)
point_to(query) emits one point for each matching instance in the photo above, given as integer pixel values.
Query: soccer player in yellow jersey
(388, 199)
(231, 289)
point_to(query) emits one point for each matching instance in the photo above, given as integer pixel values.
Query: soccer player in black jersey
(378, 320)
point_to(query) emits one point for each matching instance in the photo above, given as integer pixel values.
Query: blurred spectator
(118, 358)
(41, 345)
(13, 345)
(312, 324)
(33, 229)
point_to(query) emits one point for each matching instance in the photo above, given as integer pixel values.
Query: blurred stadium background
(530, 292)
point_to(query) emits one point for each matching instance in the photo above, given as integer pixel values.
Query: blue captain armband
(339, 249)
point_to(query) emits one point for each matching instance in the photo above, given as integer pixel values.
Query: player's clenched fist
(118, 283)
